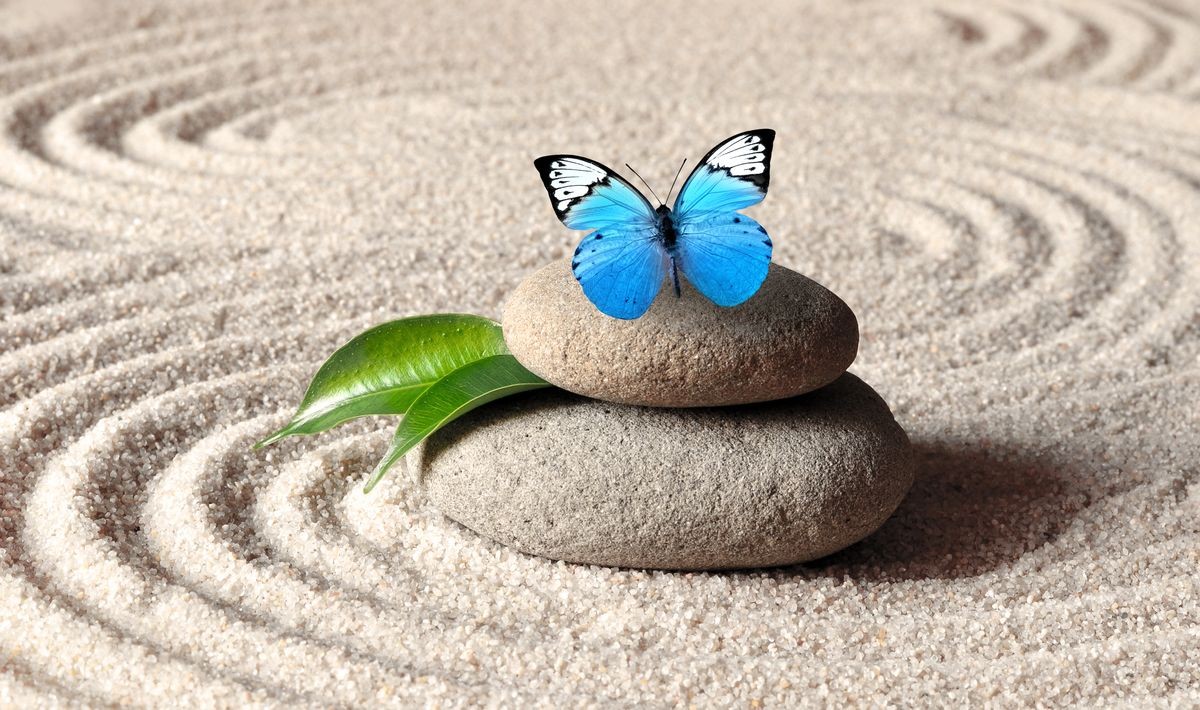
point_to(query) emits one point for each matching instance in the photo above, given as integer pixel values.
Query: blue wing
(587, 195)
(725, 256)
(733, 175)
(621, 265)
(621, 269)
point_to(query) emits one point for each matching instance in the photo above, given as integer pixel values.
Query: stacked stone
(695, 437)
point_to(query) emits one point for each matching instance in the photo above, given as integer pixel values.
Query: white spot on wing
(572, 178)
(744, 154)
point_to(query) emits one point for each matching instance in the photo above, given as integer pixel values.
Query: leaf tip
(394, 454)
(380, 471)
(271, 439)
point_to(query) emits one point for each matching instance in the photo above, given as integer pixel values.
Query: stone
(569, 478)
(791, 337)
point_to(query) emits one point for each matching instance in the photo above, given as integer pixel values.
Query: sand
(198, 202)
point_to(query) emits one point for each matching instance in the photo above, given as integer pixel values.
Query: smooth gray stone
(574, 479)
(791, 337)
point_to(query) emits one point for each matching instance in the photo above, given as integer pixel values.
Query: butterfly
(632, 247)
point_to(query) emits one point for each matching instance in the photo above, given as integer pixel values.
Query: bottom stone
(581, 480)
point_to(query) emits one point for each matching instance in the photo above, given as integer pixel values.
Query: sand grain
(199, 201)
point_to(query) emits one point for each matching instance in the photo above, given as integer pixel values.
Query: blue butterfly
(622, 263)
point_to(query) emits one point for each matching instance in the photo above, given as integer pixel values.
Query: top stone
(791, 337)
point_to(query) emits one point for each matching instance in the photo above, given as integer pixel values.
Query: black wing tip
(767, 134)
(542, 163)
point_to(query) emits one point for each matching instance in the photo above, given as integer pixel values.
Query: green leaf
(385, 369)
(453, 396)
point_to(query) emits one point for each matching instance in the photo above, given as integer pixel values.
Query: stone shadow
(972, 508)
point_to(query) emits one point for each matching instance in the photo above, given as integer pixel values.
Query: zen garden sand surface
(200, 201)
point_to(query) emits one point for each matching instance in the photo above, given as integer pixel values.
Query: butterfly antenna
(651, 189)
(677, 174)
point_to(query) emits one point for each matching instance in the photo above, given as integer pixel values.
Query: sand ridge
(199, 201)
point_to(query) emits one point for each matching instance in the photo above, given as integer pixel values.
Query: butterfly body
(666, 227)
(634, 246)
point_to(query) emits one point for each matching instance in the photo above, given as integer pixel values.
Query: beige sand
(198, 202)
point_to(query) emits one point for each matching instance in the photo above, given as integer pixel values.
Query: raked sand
(199, 202)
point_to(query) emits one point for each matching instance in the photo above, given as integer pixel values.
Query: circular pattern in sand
(198, 202)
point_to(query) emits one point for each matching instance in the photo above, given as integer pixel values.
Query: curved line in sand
(1028, 269)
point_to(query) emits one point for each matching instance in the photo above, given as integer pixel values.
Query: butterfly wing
(621, 269)
(588, 195)
(732, 176)
(724, 254)
(621, 265)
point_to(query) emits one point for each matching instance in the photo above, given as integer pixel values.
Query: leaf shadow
(973, 508)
